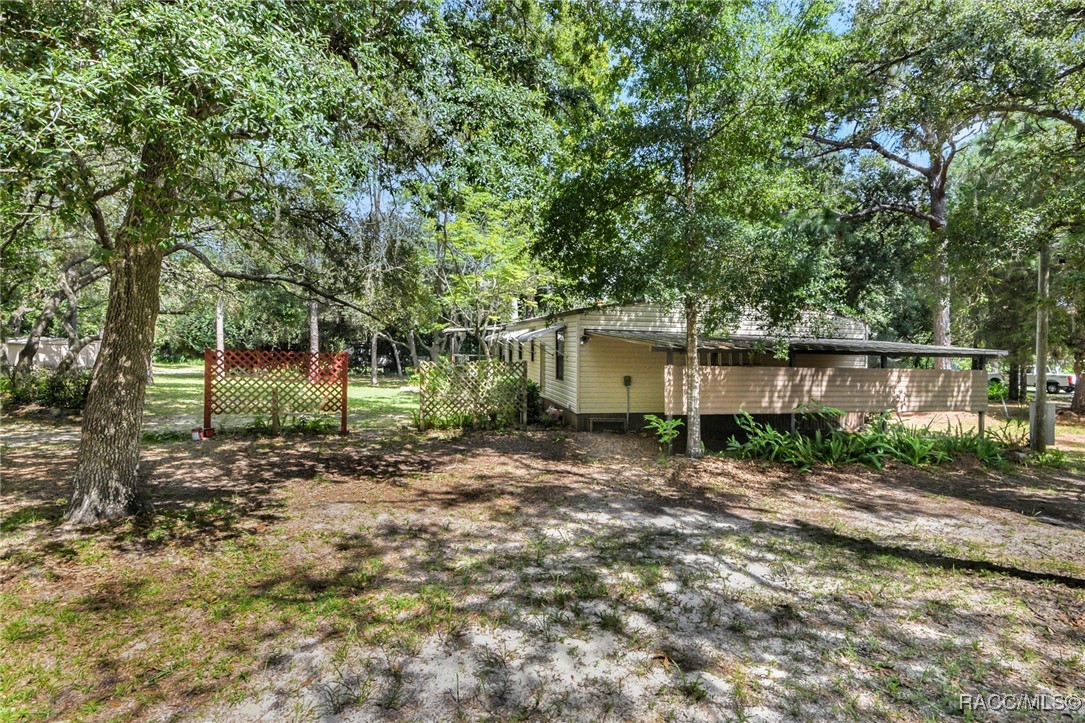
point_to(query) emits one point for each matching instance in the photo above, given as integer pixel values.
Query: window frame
(559, 355)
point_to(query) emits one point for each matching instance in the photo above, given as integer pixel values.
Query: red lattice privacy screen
(245, 381)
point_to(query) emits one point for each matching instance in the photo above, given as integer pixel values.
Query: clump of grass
(165, 436)
(295, 424)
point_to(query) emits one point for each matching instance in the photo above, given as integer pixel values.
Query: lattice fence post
(343, 361)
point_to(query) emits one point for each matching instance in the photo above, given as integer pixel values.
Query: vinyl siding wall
(821, 361)
(635, 317)
(604, 362)
(767, 390)
(594, 371)
(560, 391)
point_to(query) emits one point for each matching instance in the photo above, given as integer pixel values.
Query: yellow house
(609, 365)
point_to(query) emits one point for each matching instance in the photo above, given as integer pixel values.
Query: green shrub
(873, 446)
(998, 391)
(67, 390)
(666, 430)
(534, 403)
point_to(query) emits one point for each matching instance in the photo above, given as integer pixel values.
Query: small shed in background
(51, 351)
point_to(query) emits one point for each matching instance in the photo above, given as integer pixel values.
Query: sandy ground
(585, 580)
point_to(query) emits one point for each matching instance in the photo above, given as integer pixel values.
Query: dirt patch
(543, 575)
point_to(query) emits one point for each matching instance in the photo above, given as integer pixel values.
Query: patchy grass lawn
(175, 399)
(174, 406)
(542, 575)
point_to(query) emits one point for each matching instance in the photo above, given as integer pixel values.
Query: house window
(532, 350)
(559, 356)
(520, 350)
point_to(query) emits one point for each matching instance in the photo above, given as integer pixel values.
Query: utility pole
(1038, 437)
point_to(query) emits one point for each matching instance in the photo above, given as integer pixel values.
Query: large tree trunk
(373, 360)
(73, 352)
(412, 348)
(1014, 383)
(49, 311)
(1043, 284)
(1077, 404)
(26, 356)
(693, 380)
(107, 483)
(314, 327)
(220, 323)
(395, 355)
(941, 287)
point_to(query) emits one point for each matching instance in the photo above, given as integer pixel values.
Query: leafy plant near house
(1010, 434)
(534, 404)
(998, 391)
(873, 446)
(665, 430)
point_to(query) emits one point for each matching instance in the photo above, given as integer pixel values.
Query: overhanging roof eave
(674, 341)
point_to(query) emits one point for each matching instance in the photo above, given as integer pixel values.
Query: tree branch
(269, 279)
(896, 208)
(869, 145)
(21, 224)
(1078, 124)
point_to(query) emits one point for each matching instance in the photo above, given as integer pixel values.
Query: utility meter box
(1048, 420)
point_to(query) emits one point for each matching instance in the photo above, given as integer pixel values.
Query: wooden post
(208, 373)
(342, 358)
(982, 423)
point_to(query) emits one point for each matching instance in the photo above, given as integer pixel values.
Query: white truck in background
(1056, 381)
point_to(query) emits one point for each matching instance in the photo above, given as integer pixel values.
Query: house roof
(674, 341)
(555, 315)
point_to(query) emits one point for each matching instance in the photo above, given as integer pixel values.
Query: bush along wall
(67, 390)
(874, 446)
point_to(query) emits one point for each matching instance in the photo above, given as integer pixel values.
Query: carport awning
(507, 335)
(528, 336)
(674, 341)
